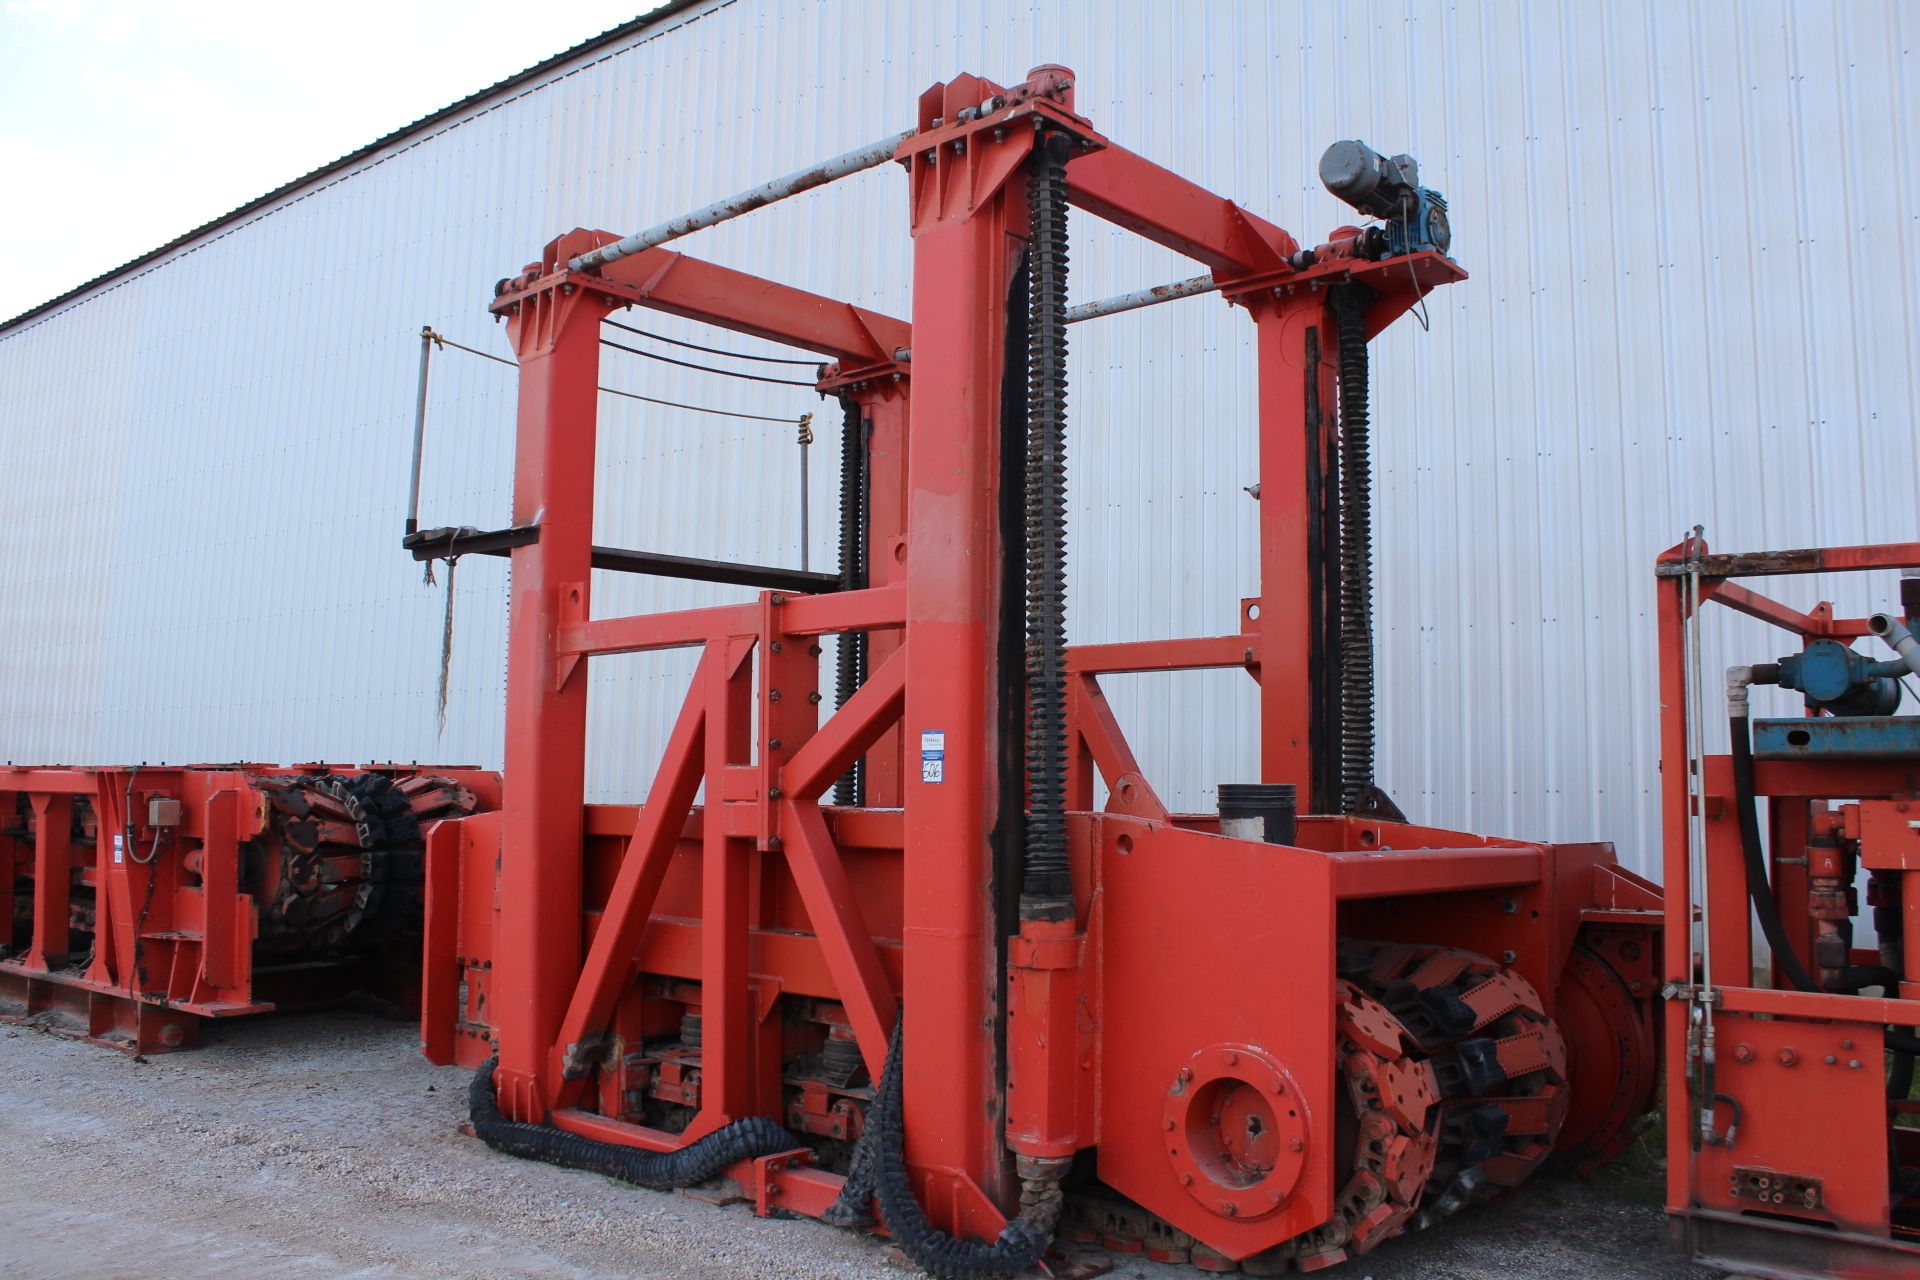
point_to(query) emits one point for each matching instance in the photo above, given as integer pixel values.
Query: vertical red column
(1298, 356)
(968, 215)
(886, 411)
(555, 330)
(726, 1028)
(52, 880)
(1676, 872)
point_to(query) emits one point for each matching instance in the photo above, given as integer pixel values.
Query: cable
(1760, 889)
(743, 1139)
(705, 368)
(445, 341)
(712, 351)
(879, 1173)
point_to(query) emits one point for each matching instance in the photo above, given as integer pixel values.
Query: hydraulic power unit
(1793, 1139)
(933, 943)
(143, 900)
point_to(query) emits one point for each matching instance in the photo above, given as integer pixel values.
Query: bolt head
(1788, 1057)
(1186, 1073)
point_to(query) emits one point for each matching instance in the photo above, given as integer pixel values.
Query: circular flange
(1236, 1130)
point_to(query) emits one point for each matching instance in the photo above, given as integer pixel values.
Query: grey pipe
(1151, 297)
(419, 430)
(816, 175)
(1141, 298)
(1895, 633)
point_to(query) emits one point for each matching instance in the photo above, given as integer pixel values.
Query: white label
(119, 848)
(933, 755)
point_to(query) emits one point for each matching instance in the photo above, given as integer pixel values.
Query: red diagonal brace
(845, 941)
(853, 729)
(649, 852)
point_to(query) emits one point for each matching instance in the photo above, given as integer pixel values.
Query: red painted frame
(1816, 1115)
(763, 893)
(173, 936)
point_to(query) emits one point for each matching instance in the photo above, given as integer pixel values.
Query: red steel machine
(900, 956)
(143, 900)
(1793, 1145)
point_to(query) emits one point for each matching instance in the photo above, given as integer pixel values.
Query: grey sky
(124, 123)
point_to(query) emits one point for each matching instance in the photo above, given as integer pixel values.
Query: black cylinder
(1258, 811)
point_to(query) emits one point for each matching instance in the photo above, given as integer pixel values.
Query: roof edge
(613, 35)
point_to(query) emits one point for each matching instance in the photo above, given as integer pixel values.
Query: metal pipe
(818, 175)
(1141, 298)
(806, 439)
(427, 336)
(1895, 633)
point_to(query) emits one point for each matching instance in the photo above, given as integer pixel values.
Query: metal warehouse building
(1691, 235)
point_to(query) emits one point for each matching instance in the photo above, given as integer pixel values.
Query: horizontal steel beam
(438, 544)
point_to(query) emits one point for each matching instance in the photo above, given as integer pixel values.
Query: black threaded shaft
(1356, 549)
(851, 664)
(1047, 887)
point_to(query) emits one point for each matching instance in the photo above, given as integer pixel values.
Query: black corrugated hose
(1349, 303)
(1047, 885)
(1760, 888)
(851, 664)
(692, 1164)
(879, 1173)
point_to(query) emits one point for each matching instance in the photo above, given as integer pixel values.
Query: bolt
(1232, 1057)
(1167, 1122)
(1509, 905)
(778, 647)
(814, 697)
(1186, 1179)
(1296, 1145)
(775, 843)
(1831, 1059)
(1186, 1073)
(773, 695)
(1743, 1053)
(773, 745)
(776, 598)
(1508, 957)
(1846, 1044)
(773, 793)
(1788, 1057)
(1854, 1063)
(813, 651)
(1229, 1208)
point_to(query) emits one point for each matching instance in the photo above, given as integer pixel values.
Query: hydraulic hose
(1760, 888)
(1349, 304)
(1047, 882)
(692, 1164)
(851, 664)
(879, 1173)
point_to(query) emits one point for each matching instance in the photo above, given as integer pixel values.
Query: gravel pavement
(323, 1145)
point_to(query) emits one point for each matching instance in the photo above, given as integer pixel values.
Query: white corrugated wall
(1691, 237)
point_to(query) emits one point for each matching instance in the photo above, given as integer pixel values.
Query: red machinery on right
(1792, 1142)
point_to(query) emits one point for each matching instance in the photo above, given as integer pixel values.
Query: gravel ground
(323, 1145)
